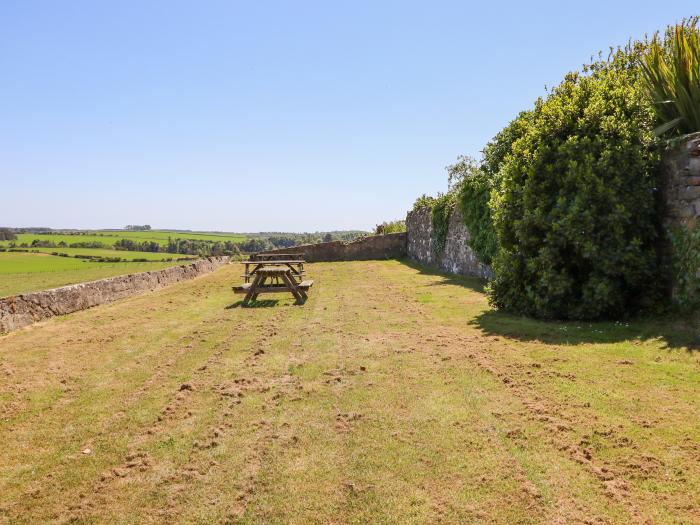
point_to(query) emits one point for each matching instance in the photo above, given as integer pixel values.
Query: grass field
(109, 237)
(98, 252)
(393, 396)
(28, 272)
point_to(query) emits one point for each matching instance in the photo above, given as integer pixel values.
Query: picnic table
(275, 276)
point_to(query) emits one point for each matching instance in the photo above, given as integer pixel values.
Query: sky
(270, 115)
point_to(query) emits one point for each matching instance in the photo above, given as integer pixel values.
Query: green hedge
(574, 203)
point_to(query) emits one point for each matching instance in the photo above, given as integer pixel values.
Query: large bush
(575, 198)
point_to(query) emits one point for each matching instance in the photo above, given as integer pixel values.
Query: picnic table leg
(260, 285)
(293, 288)
(295, 274)
(252, 290)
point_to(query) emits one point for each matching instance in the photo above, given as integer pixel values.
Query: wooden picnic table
(284, 282)
(296, 266)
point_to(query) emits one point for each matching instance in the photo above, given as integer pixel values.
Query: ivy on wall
(440, 209)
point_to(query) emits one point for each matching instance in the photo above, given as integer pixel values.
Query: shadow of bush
(473, 283)
(674, 332)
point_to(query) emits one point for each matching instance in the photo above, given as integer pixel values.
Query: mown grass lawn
(393, 396)
(29, 272)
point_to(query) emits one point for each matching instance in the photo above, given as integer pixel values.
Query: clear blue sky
(264, 115)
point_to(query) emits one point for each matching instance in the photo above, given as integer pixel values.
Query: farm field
(29, 272)
(123, 254)
(109, 237)
(394, 395)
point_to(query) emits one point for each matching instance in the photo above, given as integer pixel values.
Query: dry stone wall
(457, 257)
(389, 246)
(681, 166)
(22, 310)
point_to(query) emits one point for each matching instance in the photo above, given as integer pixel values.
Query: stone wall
(22, 310)
(389, 246)
(456, 258)
(681, 191)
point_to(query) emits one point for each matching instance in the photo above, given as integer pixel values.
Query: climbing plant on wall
(440, 211)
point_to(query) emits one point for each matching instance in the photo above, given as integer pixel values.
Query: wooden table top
(271, 263)
(267, 256)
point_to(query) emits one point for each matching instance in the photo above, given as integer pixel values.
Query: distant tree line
(198, 247)
(41, 243)
(137, 228)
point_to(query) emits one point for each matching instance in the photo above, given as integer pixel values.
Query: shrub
(390, 227)
(575, 200)
(424, 201)
(501, 146)
(671, 69)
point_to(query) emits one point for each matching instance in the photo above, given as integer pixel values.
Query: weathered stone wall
(22, 310)
(456, 257)
(389, 246)
(681, 166)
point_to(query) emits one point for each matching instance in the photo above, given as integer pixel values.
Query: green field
(29, 272)
(98, 252)
(22, 272)
(109, 237)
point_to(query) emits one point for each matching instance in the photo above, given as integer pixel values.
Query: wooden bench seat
(243, 288)
(305, 285)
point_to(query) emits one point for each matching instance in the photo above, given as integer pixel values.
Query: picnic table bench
(276, 276)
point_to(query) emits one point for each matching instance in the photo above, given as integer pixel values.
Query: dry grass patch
(393, 396)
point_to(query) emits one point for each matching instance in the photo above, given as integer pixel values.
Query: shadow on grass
(675, 331)
(473, 283)
(265, 303)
